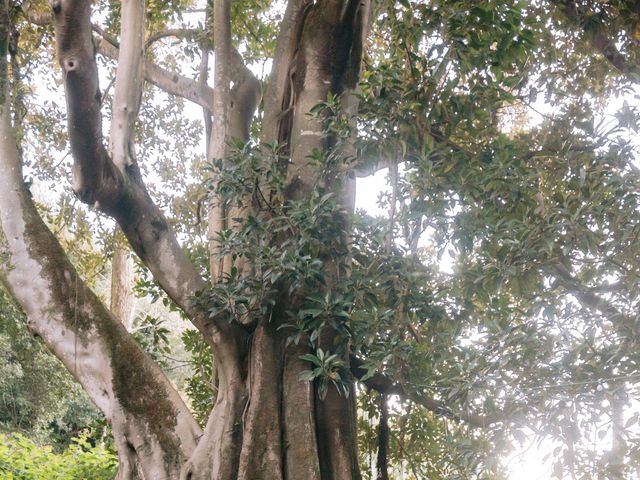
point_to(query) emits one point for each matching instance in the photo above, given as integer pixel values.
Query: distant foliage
(37, 394)
(200, 388)
(22, 459)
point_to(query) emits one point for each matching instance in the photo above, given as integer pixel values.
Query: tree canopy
(494, 304)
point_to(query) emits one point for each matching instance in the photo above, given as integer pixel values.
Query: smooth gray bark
(80, 331)
(266, 423)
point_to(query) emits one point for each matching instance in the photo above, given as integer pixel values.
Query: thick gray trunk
(266, 423)
(285, 430)
(146, 413)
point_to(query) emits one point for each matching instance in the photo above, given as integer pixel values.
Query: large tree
(296, 298)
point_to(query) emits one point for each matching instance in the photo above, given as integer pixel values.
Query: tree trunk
(148, 417)
(122, 302)
(278, 427)
(266, 422)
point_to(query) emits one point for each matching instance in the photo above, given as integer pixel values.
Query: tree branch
(386, 386)
(219, 450)
(120, 193)
(382, 461)
(171, 82)
(587, 296)
(122, 296)
(180, 33)
(244, 97)
(146, 413)
(278, 100)
(245, 92)
(219, 125)
(598, 39)
(128, 85)
(37, 18)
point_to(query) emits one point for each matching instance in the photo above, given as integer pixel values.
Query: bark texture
(122, 302)
(282, 429)
(266, 423)
(147, 415)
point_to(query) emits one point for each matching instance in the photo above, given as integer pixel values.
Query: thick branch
(120, 194)
(125, 108)
(145, 411)
(170, 82)
(219, 125)
(245, 96)
(598, 39)
(221, 77)
(278, 99)
(242, 102)
(218, 453)
(128, 86)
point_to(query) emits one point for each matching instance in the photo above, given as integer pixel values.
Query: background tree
(527, 326)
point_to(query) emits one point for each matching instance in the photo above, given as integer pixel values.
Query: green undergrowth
(22, 459)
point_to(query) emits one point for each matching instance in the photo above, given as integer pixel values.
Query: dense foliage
(22, 459)
(37, 395)
(503, 280)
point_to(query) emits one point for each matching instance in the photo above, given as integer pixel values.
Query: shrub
(22, 459)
